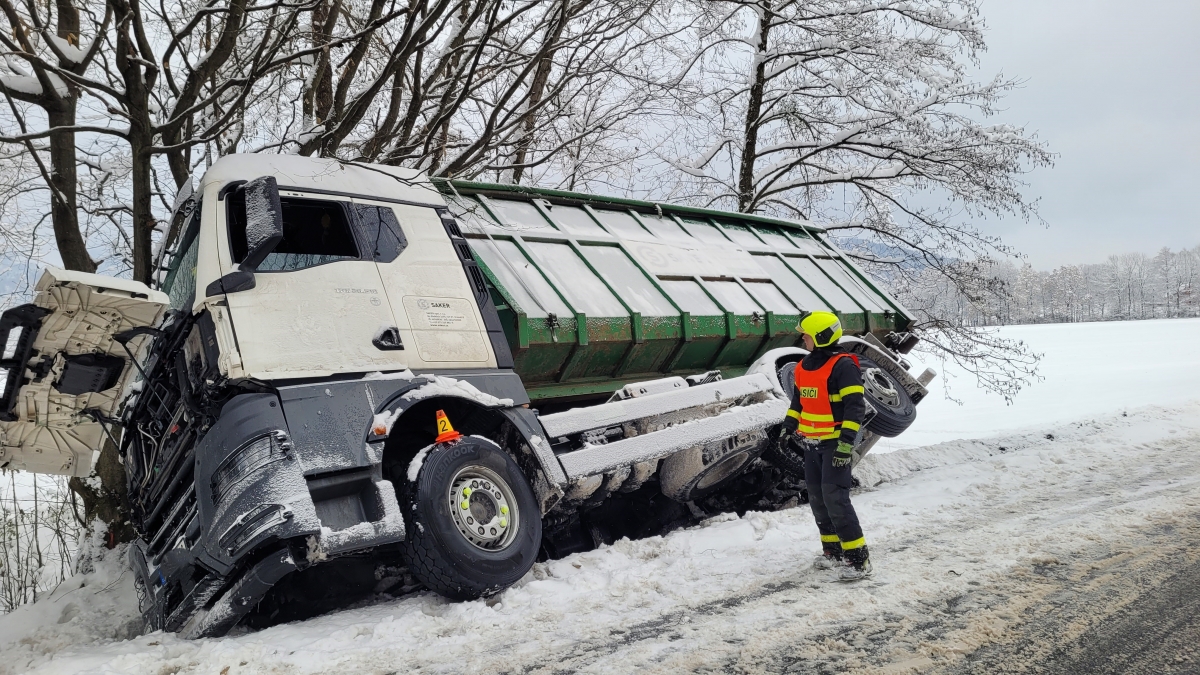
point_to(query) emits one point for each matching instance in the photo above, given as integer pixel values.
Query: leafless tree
(860, 115)
(44, 52)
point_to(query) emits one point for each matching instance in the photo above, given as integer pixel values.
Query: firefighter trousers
(829, 493)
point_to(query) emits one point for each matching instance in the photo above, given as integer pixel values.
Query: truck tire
(697, 472)
(472, 524)
(787, 377)
(895, 410)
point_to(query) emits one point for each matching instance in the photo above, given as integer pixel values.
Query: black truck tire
(472, 524)
(894, 408)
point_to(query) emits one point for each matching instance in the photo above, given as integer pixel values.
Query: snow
(1088, 368)
(448, 386)
(74, 54)
(736, 594)
(399, 375)
(436, 385)
(596, 459)
(414, 467)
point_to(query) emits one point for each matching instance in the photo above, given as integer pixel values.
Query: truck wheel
(895, 409)
(472, 524)
(697, 472)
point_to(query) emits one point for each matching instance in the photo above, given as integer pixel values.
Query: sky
(1114, 88)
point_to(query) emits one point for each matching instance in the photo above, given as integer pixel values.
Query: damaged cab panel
(68, 362)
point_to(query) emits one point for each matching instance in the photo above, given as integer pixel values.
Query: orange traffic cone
(446, 432)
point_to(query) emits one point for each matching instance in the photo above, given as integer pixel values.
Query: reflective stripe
(819, 434)
(835, 398)
(813, 417)
(829, 539)
(852, 426)
(857, 543)
(794, 414)
(852, 389)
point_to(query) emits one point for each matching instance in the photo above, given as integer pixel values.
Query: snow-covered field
(955, 529)
(1087, 369)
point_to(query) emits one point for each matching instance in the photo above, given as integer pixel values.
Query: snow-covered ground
(947, 524)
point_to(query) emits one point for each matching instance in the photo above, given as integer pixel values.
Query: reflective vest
(816, 414)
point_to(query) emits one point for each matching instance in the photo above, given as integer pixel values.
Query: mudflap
(249, 589)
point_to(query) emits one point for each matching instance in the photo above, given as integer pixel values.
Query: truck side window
(315, 232)
(379, 228)
(180, 282)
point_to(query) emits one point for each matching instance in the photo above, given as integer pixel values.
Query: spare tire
(472, 524)
(894, 408)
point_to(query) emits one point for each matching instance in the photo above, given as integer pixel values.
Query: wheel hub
(483, 508)
(880, 387)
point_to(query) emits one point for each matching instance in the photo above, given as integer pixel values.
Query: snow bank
(88, 610)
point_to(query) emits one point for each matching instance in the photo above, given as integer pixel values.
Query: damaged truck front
(348, 379)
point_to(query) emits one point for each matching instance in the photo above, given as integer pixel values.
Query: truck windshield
(315, 232)
(180, 284)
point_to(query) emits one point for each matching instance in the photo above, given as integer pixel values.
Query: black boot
(858, 565)
(831, 556)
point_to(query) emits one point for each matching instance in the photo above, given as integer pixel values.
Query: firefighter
(826, 412)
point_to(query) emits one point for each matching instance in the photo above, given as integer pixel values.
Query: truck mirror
(264, 220)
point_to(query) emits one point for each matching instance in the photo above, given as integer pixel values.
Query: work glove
(843, 454)
(781, 436)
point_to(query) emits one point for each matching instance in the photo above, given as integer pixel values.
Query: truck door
(318, 304)
(436, 314)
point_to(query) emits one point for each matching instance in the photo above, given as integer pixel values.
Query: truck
(346, 379)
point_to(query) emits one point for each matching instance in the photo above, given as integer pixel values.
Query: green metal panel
(595, 292)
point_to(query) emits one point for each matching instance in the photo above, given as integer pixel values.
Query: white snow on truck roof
(314, 173)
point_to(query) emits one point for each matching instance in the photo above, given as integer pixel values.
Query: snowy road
(1030, 544)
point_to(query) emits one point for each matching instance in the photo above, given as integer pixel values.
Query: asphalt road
(1125, 613)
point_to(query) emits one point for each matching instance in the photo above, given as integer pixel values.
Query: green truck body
(594, 293)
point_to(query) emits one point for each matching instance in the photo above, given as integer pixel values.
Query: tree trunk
(143, 214)
(536, 89)
(109, 502)
(64, 208)
(746, 197)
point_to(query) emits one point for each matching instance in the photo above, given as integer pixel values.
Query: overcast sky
(1114, 87)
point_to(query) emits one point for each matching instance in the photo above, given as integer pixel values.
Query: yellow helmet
(824, 327)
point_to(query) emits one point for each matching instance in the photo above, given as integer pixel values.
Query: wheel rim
(484, 508)
(722, 470)
(880, 387)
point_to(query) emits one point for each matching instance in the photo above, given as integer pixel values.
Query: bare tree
(43, 51)
(861, 116)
